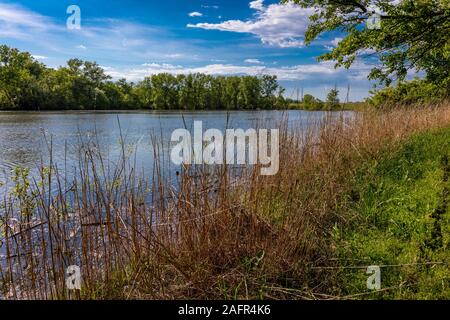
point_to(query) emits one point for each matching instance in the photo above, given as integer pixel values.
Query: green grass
(399, 214)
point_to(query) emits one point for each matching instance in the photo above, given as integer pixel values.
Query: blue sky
(132, 39)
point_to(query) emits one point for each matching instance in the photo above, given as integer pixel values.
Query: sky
(133, 39)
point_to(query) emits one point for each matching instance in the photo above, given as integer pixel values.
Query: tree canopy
(333, 99)
(414, 35)
(26, 84)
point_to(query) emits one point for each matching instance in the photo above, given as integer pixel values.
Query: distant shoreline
(159, 110)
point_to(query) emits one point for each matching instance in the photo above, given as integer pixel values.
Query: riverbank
(350, 192)
(399, 204)
(322, 106)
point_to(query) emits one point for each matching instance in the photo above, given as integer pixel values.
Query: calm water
(23, 135)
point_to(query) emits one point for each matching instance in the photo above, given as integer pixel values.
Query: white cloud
(15, 21)
(366, 52)
(280, 25)
(195, 14)
(38, 57)
(257, 5)
(376, 9)
(336, 41)
(154, 68)
(325, 70)
(103, 37)
(174, 55)
(253, 61)
(113, 40)
(333, 43)
(15, 15)
(158, 66)
(210, 7)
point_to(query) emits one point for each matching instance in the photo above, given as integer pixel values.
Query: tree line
(309, 102)
(27, 84)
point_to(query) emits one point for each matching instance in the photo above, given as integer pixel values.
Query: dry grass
(211, 235)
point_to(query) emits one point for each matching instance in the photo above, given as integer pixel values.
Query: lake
(25, 136)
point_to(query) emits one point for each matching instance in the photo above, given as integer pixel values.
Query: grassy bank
(350, 192)
(400, 221)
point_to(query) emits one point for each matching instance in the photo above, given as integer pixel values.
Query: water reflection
(25, 138)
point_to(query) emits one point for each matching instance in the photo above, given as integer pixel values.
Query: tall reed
(210, 234)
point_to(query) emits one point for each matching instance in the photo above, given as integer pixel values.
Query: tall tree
(19, 76)
(332, 101)
(414, 34)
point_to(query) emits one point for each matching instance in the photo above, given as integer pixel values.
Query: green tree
(27, 84)
(408, 92)
(311, 103)
(19, 79)
(269, 91)
(332, 101)
(87, 78)
(249, 92)
(231, 93)
(165, 93)
(144, 92)
(414, 34)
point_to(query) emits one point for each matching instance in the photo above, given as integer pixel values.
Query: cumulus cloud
(281, 25)
(257, 5)
(195, 14)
